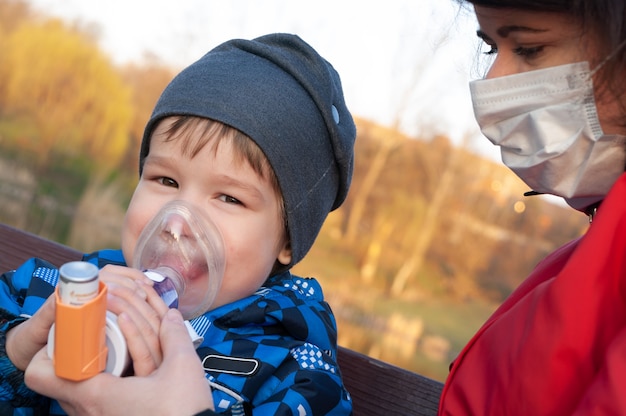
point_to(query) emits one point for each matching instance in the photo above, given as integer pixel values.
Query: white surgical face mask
(547, 126)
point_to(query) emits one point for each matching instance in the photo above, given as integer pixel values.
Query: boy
(255, 134)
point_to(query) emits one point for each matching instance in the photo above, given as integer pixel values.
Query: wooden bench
(377, 388)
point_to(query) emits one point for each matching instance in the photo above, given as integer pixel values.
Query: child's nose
(176, 227)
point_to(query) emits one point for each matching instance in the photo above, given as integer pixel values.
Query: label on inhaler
(78, 283)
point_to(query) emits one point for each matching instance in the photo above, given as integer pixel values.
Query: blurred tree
(387, 142)
(146, 83)
(58, 80)
(12, 14)
(414, 260)
(446, 215)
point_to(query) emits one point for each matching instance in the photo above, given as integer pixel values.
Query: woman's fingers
(180, 375)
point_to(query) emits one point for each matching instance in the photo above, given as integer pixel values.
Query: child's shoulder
(287, 283)
(107, 256)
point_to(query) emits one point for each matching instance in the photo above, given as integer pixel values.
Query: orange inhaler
(80, 350)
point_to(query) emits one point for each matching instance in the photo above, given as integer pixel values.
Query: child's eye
(528, 52)
(168, 182)
(229, 199)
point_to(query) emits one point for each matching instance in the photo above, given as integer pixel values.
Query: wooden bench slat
(17, 246)
(376, 387)
(379, 388)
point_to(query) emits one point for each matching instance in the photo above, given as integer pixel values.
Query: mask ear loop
(608, 58)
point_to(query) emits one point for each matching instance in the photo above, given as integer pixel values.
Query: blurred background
(435, 232)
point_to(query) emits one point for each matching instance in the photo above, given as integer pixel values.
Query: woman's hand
(177, 386)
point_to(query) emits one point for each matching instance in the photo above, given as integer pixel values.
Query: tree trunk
(360, 201)
(414, 263)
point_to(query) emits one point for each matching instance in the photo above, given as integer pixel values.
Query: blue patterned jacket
(273, 353)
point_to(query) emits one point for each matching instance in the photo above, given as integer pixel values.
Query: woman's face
(528, 40)
(524, 41)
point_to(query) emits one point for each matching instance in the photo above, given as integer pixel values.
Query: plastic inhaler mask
(182, 251)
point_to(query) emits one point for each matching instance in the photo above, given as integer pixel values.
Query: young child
(257, 136)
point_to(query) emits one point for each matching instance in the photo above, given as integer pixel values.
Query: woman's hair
(538, 5)
(605, 19)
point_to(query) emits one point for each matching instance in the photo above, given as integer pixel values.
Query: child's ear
(284, 256)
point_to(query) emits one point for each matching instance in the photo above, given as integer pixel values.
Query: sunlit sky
(405, 62)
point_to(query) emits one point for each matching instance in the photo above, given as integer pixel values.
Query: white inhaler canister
(78, 283)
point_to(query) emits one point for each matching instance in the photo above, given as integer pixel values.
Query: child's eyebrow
(157, 160)
(253, 190)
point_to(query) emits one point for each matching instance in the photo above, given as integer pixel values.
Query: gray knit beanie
(280, 92)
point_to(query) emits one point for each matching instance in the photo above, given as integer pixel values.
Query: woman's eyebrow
(482, 35)
(505, 31)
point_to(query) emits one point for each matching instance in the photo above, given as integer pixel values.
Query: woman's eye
(229, 199)
(168, 182)
(528, 52)
(493, 49)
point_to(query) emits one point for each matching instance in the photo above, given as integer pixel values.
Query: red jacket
(557, 345)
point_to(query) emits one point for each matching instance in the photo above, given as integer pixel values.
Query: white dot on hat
(335, 114)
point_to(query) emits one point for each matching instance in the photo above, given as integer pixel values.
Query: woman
(554, 101)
